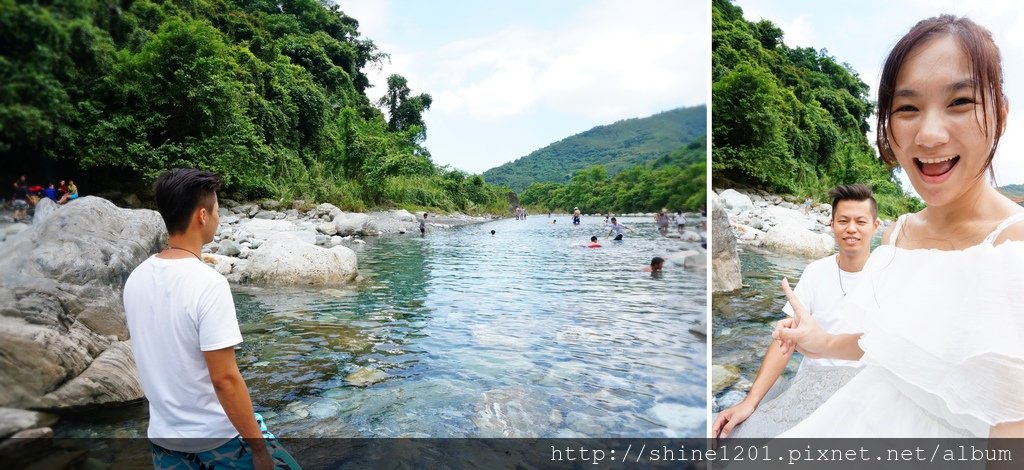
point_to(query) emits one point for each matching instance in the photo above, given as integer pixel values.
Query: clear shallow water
(523, 333)
(743, 320)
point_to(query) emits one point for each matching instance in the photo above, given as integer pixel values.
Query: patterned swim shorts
(234, 454)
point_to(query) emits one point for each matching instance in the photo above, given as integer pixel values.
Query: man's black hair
(179, 192)
(657, 260)
(852, 192)
(593, 239)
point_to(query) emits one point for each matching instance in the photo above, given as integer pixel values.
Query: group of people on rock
(26, 196)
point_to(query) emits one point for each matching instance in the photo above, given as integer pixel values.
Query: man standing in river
(822, 287)
(618, 229)
(181, 317)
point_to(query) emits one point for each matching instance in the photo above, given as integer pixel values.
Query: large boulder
(352, 223)
(286, 260)
(44, 208)
(794, 238)
(325, 210)
(781, 215)
(736, 201)
(725, 262)
(63, 334)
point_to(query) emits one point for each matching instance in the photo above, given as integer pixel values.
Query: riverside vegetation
(790, 120)
(271, 95)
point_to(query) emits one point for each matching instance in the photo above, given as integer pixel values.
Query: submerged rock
(510, 412)
(722, 377)
(365, 376)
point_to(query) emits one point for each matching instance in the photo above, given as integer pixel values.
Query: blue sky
(509, 78)
(861, 34)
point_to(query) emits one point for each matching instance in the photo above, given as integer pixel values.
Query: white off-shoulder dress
(943, 344)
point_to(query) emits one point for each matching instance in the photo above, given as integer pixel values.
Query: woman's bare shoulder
(1014, 231)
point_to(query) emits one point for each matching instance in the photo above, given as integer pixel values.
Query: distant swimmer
(618, 229)
(492, 233)
(554, 221)
(656, 264)
(576, 216)
(594, 243)
(423, 225)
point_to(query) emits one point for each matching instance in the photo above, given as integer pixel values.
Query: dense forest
(617, 147)
(676, 181)
(790, 120)
(270, 94)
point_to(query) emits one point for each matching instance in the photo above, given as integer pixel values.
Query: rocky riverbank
(63, 336)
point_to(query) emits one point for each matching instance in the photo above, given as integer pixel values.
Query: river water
(518, 334)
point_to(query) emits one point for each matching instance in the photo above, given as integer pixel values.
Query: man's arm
(234, 398)
(772, 365)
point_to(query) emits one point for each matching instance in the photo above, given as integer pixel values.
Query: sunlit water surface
(523, 333)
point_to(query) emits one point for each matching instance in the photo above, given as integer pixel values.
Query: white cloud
(611, 61)
(373, 15)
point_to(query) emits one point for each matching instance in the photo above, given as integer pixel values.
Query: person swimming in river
(656, 264)
(618, 229)
(593, 243)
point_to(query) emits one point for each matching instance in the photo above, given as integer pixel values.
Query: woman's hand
(800, 331)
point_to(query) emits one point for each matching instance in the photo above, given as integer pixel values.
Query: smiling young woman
(943, 330)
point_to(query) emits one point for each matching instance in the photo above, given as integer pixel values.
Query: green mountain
(617, 146)
(790, 120)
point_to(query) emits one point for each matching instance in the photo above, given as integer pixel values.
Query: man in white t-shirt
(822, 287)
(181, 317)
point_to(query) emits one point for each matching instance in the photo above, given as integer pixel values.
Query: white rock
(735, 201)
(229, 248)
(327, 228)
(403, 215)
(795, 239)
(696, 259)
(351, 223)
(44, 208)
(265, 229)
(790, 217)
(286, 260)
